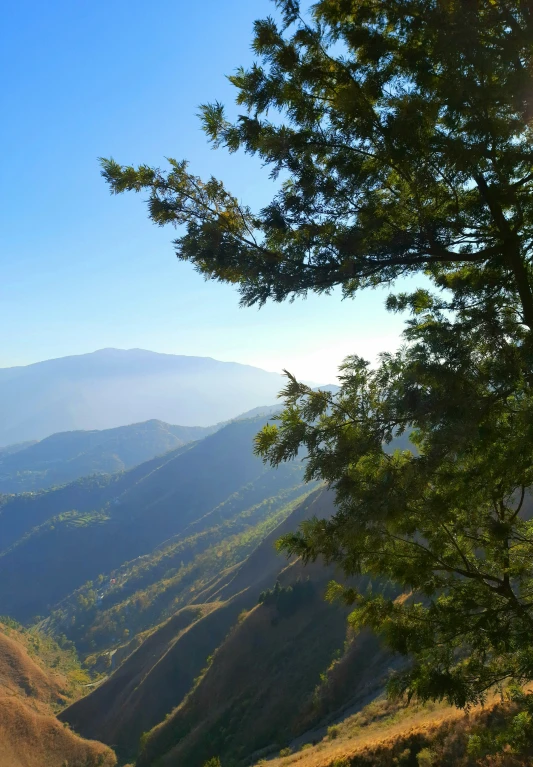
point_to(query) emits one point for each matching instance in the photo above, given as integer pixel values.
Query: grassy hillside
(124, 517)
(37, 677)
(32, 663)
(384, 734)
(159, 674)
(155, 678)
(203, 655)
(67, 456)
(31, 739)
(250, 696)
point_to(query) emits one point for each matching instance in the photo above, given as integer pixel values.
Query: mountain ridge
(66, 456)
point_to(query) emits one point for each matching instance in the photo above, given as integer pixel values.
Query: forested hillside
(208, 643)
(142, 593)
(163, 669)
(155, 574)
(55, 541)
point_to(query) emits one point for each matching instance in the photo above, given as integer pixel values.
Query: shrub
(425, 758)
(333, 732)
(143, 740)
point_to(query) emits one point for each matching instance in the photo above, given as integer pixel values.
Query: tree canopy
(447, 523)
(403, 129)
(401, 133)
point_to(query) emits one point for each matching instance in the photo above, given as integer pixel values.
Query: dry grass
(252, 693)
(30, 734)
(32, 739)
(35, 664)
(153, 679)
(377, 725)
(34, 668)
(383, 735)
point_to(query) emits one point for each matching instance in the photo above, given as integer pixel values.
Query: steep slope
(287, 665)
(67, 456)
(21, 675)
(115, 387)
(251, 695)
(143, 593)
(30, 690)
(34, 666)
(31, 739)
(154, 679)
(66, 550)
(158, 675)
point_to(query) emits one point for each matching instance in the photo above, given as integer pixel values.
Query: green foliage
(403, 131)
(446, 523)
(150, 590)
(214, 762)
(10, 623)
(403, 758)
(514, 735)
(143, 740)
(425, 758)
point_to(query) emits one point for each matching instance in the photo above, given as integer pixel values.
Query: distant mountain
(116, 387)
(69, 455)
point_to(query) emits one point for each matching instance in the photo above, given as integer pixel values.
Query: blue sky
(81, 270)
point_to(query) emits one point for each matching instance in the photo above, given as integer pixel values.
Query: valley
(165, 627)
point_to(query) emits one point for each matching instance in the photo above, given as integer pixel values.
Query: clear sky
(81, 270)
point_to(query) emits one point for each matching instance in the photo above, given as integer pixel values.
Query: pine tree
(402, 129)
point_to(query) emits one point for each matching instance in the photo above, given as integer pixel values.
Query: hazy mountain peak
(115, 387)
